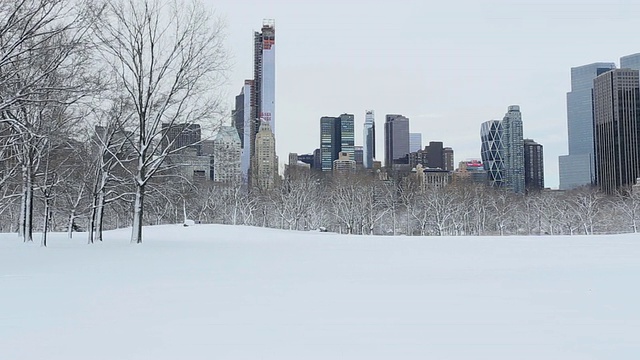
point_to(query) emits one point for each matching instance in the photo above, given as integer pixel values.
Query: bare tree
(43, 66)
(167, 58)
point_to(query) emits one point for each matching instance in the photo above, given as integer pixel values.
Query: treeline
(362, 204)
(352, 204)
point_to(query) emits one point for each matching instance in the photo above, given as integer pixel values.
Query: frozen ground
(220, 292)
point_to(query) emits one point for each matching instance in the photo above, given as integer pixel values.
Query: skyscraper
(265, 162)
(577, 168)
(242, 120)
(415, 142)
(616, 115)
(369, 143)
(347, 135)
(513, 145)
(492, 151)
(264, 72)
(336, 135)
(396, 140)
(264, 82)
(533, 166)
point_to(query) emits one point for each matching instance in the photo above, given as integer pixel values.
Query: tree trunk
(45, 225)
(99, 222)
(136, 233)
(72, 218)
(25, 228)
(91, 224)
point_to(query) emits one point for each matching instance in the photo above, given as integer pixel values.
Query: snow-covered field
(221, 292)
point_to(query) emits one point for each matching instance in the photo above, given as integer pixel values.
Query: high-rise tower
(264, 81)
(265, 168)
(369, 148)
(492, 151)
(533, 166)
(396, 140)
(336, 136)
(513, 149)
(616, 115)
(577, 168)
(242, 120)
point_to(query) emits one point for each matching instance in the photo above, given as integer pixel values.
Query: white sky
(448, 66)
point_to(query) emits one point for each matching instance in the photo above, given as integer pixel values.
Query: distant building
(262, 90)
(503, 150)
(317, 160)
(578, 167)
(369, 143)
(513, 146)
(434, 155)
(265, 171)
(179, 137)
(630, 62)
(448, 159)
(226, 156)
(415, 142)
(243, 121)
(470, 170)
(616, 115)
(396, 140)
(336, 136)
(359, 156)
(344, 164)
(492, 152)
(293, 159)
(428, 177)
(533, 166)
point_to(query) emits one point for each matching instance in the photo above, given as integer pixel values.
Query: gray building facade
(336, 136)
(533, 166)
(513, 144)
(369, 143)
(396, 140)
(578, 168)
(492, 152)
(616, 112)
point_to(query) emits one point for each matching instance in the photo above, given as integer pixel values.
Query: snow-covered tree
(167, 58)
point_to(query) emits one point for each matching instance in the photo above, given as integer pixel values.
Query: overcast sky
(447, 65)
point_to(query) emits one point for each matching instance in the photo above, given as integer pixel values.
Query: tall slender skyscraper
(616, 115)
(577, 168)
(336, 136)
(396, 140)
(264, 82)
(513, 141)
(369, 148)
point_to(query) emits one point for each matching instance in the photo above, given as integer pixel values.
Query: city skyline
(422, 70)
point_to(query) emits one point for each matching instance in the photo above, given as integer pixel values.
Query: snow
(223, 292)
